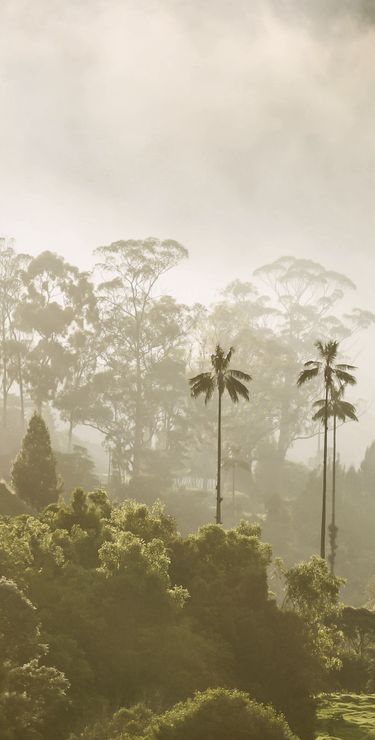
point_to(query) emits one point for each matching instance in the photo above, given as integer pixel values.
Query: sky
(245, 130)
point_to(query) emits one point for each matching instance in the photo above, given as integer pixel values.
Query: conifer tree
(34, 470)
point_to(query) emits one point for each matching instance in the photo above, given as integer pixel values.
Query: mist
(187, 398)
(244, 132)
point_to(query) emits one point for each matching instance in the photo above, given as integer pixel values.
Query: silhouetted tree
(341, 410)
(34, 470)
(326, 365)
(223, 378)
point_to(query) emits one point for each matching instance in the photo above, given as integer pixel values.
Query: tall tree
(307, 300)
(58, 302)
(332, 373)
(134, 266)
(338, 410)
(223, 378)
(34, 470)
(11, 271)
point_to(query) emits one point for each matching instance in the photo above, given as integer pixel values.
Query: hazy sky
(243, 129)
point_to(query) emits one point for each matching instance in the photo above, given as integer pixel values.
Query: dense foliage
(132, 612)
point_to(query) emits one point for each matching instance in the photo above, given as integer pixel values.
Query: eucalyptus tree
(57, 298)
(134, 267)
(333, 374)
(11, 271)
(338, 410)
(223, 378)
(307, 301)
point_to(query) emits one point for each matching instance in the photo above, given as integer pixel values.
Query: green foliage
(219, 714)
(313, 592)
(34, 470)
(32, 695)
(225, 574)
(126, 724)
(119, 595)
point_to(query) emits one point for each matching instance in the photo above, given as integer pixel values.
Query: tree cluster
(106, 350)
(106, 607)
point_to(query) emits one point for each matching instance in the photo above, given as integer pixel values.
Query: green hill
(346, 717)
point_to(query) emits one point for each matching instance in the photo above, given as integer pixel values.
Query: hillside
(347, 717)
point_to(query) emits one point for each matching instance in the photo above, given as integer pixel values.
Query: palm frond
(345, 377)
(321, 402)
(321, 414)
(312, 363)
(236, 389)
(344, 366)
(345, 410)
(307, 374)
(245, 377)
(203, 384)
(229, 356)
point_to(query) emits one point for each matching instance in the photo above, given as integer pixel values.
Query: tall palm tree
(332, 373)
(222, 378)
(338, 410)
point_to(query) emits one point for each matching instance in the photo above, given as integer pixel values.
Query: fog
(244, 130)
(186, 529)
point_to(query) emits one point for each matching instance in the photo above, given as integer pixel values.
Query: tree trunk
(218, 481)
(70, 433)
(333, 532)
(138, 411)
(5, 389)
(324, 502)
(20, 385)
(234, 491)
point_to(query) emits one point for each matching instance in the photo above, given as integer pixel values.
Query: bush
(219, 714)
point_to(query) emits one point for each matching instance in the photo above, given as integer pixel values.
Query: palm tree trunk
(5, 390)
(233, 490)
(138, 411)
(324, 502)
(218, 480)
(333, 521)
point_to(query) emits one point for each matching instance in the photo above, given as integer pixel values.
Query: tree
(57, 308)
(341, 410)
(12, 266)
(135, 266)
(34, 470)
(306, 299)
(219, 714)
(223, 378)
(331, 371)
(313, 593)
(32, 695)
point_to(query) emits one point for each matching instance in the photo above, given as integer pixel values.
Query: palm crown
(337, 407)
(336, 376)
(331, 370)
(221, 377)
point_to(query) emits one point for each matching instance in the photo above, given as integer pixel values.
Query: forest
(168, 571)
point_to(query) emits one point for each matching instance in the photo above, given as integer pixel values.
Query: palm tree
(332, 372)
(338, 410)
(223, 378)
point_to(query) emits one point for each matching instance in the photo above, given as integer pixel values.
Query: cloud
(241, 124)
